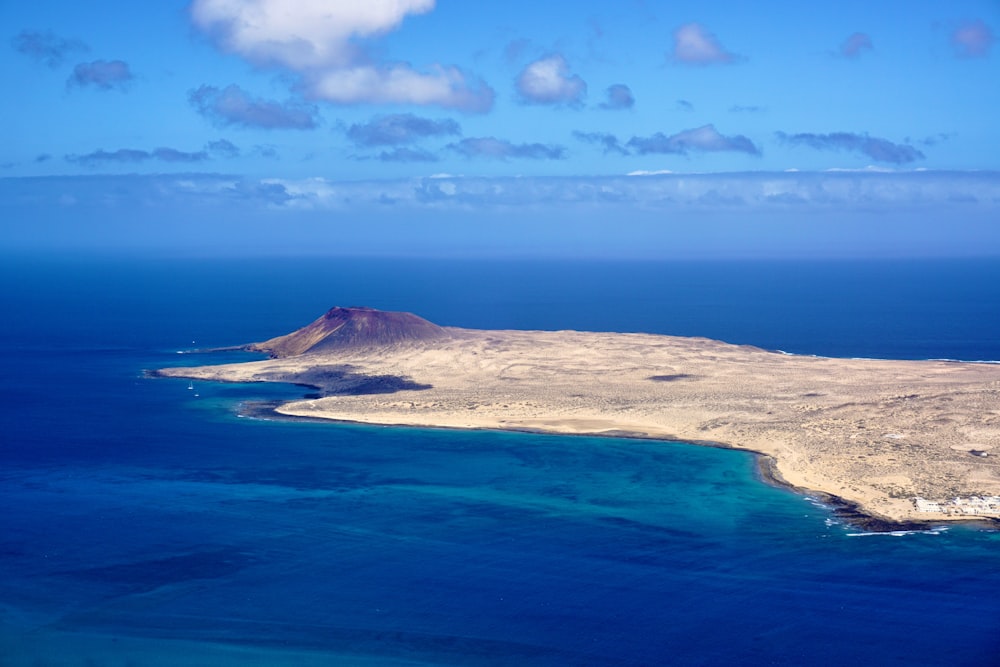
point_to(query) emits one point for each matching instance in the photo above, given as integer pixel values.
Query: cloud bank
(321, 42)
(857, 190)
(744, 192)
(797, 215)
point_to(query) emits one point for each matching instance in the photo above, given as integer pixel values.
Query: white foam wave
(936, 530)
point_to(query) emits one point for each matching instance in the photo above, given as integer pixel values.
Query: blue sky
(646, 129)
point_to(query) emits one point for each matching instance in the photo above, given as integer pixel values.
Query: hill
(348, 328)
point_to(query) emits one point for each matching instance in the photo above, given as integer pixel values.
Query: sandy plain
(900, 440)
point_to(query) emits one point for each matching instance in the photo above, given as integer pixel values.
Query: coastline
(850, 513)
(873, 437)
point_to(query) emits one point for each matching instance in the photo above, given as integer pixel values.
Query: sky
(398, 127)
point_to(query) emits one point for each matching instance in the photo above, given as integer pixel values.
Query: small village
(975, 505)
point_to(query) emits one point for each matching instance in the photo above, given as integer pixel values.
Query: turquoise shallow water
(143, 524)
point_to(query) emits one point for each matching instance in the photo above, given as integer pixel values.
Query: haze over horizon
(413, 127)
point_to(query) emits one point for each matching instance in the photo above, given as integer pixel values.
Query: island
(895, 443)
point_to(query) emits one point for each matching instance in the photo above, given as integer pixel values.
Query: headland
(895, 442)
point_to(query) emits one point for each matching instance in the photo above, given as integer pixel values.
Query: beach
(902, 441)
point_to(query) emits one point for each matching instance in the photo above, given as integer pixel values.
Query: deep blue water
(142, 525)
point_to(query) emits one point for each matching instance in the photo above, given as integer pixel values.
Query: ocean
(147, 522)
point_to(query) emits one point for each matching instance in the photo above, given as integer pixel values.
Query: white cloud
(695, 45)
(549, 81)
(399, 84)
(302, 34)
(321, 41)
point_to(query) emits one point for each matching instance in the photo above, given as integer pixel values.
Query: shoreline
(849, 512)
(891, 443)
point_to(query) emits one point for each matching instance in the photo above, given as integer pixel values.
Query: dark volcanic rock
(343, 328)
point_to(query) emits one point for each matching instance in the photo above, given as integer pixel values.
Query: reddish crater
(343, 328)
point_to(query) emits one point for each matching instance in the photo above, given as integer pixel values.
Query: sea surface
(145, 522)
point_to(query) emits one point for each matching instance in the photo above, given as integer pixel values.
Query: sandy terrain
(881, 434)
